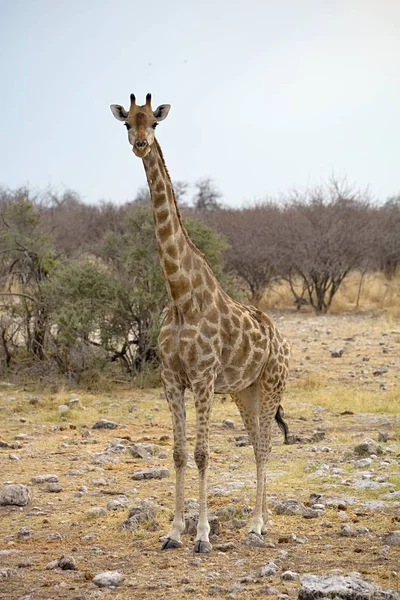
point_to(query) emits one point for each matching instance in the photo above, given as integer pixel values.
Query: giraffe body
(208, 342)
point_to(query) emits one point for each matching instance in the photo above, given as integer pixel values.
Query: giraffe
(208, 343)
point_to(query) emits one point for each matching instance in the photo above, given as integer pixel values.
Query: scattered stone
(268, 570)
(317, 436)
(289, 576)
(108, 579)
(44, 479)
(215, 590)
(7, 573)
(346, 530)
(392, 538)
(362, 462)
(383, 437)
(15, 494)
(367, 447)
(312, 513)
(74, 403)
(54, 488)
(105, 424)
(360, 530)
(116, 504)
(52, 565)
(268, 590)
(239, 523)
(155, 473)
(337, 353)
(24, 533)
(380, 371)
(346, 587)
(144, 510)
(63, 408)
(139, 451)
(225, 547)
(54, 537)
(96, 511)
(228, 424)
(4, 444)
(67, 563)
(290, 508)
(255, 541)
(241, 441)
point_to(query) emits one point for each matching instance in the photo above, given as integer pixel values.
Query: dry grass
(320, 390)
(377, 294)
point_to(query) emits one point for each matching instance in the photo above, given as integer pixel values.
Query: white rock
(96, 511)
(15, 494)
(108, 579)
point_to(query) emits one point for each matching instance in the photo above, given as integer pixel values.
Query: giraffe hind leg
(247, 402)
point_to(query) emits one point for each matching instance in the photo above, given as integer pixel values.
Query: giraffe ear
(161, 112)
(119, 112)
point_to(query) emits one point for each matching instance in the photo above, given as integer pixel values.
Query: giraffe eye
(154, 125)
(127, 125)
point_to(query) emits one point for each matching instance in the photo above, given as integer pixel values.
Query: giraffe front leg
(203, 397)
(176, 402)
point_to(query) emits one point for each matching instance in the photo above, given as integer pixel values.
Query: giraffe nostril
(141, 143)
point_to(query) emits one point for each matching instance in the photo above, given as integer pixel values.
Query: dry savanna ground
(332, 404)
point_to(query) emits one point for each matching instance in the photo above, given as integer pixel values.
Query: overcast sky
(266, 95)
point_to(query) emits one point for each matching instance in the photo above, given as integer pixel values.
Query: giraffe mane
(178, 212)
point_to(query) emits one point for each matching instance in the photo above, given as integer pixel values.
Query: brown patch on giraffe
(226, 325)
(187, 262)
(180, 287)
(209, 329)
(207, 298)
(242, 354)
(192, 354)
(204, 345)
(213, 315)
(222, 305)
(159, 187)
(206, 363)
(162, 216)
(236, 321)
(159, 200)
(188, 333)
(170, 267)
(141, 119)
(181, 244)
(197, 280)
(165, 232)
(172, 251)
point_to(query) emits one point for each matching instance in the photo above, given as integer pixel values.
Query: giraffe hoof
(170, 543)
(202, 547)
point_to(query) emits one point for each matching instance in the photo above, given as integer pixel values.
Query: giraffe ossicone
(208, 342)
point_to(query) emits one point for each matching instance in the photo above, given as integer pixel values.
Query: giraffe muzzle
(141, 148)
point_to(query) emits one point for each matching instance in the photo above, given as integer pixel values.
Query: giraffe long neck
(187, 274)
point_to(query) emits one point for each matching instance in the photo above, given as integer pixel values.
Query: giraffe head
(140, 122)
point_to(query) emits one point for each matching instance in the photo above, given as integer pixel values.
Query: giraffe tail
(283, 425)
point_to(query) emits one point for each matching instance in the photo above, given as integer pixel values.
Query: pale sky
(266, 95)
